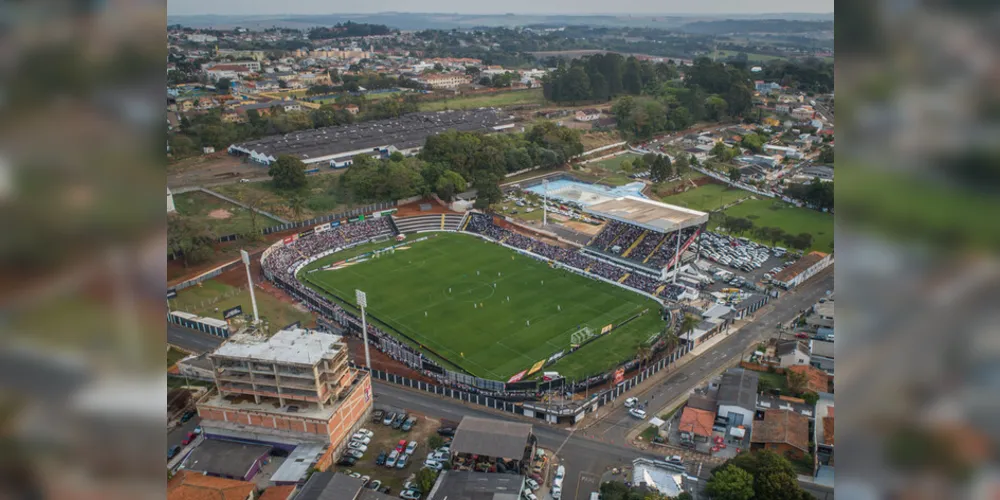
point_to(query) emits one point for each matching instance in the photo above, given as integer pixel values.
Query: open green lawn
(707, 197)
(432, 292)
(323, 195)
(221, 216)
(500, 99)
(203, 300)
(771, 213)
(613, 164)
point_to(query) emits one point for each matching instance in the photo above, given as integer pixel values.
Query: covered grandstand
(337, 145)
(643, 235)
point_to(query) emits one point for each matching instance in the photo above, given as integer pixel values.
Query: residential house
(352, 109)
(278, 493)
(816, 380)
(233, 116)
(188, 485)
(587, 115)
(824, 430)
(792, 353)
(696, 425)
(737, 396)
(803, 113)
(250, 65)
(783, 108)
(782, 431)
(822, 356)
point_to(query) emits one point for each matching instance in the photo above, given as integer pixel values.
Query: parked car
(377, 415)
(529, 496)
(560, 472)
(365, 479)
(409, 495)
(197, 430)
(532, 484)
(410, 485)
(401, 445)
(187, 439)
(401, 463)
(675, 459)
(630, 402)
(188, 415)
(374, 485)
(431, 464)
(389, 417)
(355, 453)
(410, 422)
(364, 433)
(802, 335)
(362, 440)
(172, 452)
(637, 413)
(354, 445)
(446, 431)
(347, 461)
(556, 493)
(391, 461)
(412, 445)
(380, 460)
(398, 421)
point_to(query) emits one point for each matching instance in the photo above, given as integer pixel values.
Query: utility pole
(253, 296)
(545, 202)
(362, 300)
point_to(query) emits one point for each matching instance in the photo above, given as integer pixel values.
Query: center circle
(470, 291)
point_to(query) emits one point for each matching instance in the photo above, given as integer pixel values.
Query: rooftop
(739, 388)
(470, 485)
(661, 476)
(405, 132)
(303, 409)
(825, 419)
(648, 214)
(823, 348)
(787, 347)
(494, 438)
(698, 422)
(187, 485)
(298, 463)
(799, 266)
(278, 493)
(330, 486)
(295, 345)
(817, 380)
(782, 426)
(225, 458)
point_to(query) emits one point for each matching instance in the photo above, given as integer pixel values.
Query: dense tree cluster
(765, 475)
(807, 74)
(773, 235)
(602, 76)
(348, 29)
(617, 490)
(816, 193)
(710, 91)
(454, 161)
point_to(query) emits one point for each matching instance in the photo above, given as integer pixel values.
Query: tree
(189, 240)
(773, 475)
(739, 225)
(438, 67)
(396, 156)
(730, 483)
(716, 107)
(449, 184)
(223, 84)
(797, 381)
(661, 169)
(681, 163)
(688, 324)
(734, 173)
(810, 398)
(826, 154)
(800, 241)
(288, 172)
(425, 479)
(435, 442)
(296, 203)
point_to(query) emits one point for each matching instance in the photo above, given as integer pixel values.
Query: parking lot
(746, 263)
(386, 439)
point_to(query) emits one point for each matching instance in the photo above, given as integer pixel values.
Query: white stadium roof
(647, 214)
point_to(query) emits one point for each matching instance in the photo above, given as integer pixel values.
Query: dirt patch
(582, 227)
(220, 213)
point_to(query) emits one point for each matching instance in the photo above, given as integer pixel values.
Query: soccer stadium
(471, 293)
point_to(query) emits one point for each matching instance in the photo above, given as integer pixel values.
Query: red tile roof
(782, 427)
(277, 493)
(188, 485)
(816, 380)
(697, 422)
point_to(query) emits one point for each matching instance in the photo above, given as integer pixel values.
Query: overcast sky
(619, 7)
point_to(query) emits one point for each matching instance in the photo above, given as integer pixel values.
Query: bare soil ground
(582, 227)
(211, 169)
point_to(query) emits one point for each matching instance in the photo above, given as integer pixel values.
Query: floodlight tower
(362, 300)
(253, 296)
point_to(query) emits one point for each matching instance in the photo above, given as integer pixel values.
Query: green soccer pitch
(440, 292)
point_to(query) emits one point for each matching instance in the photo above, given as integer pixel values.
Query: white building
(170, 202)
(445, 80)
(802, 269)
(667, 478)
(737, 396)
(202, 38)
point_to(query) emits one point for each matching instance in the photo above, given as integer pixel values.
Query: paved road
(614, 427)
(585, 459)
(191, 340)
(175, 436)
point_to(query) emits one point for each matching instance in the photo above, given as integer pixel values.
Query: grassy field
(501, 99)
(322, 195)
(706, 198)
(613, 180)
(769, 213)
(174, 355)
(441, 294)
(613, 164)
(220, 215)
(211, 295)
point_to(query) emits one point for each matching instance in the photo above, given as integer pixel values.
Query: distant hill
(756, 26)
(418, 21)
